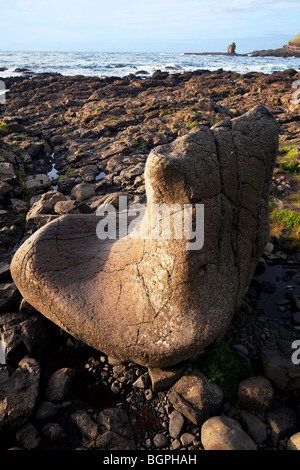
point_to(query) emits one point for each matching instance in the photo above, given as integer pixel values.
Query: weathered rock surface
(18, 393)
(59, 384)
(255, 394)
(152, 301)
(195, 398)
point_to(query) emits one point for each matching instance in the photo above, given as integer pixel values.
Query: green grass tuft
(223, 367)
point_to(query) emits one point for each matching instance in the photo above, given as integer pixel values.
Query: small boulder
(255, 393)
(59, 384)
(282, 421)
(88, 428)
(195, 397)
(71, 207)
(83, 191)
(176, 424)
(36, 184)
(294, 442)
(224, 433)
(28, 437)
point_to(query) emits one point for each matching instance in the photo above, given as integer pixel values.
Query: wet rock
(59, 384)
(195, 397)
(16, 408)
(223, 433)
(255, 393)
(28, 437)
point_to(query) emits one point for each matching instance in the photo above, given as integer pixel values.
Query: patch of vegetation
(285, 225)
(293, 200)
(224, 368)
(291, 168)
(290, 219)
(3, 126)
(289, 161)
(245, 319)
(20, 175)
(191, 126)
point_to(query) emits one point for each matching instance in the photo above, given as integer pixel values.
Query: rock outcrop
(294, 44)
(231, 48)
(292, 49)
(153, 301)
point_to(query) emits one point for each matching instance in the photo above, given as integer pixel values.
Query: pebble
(28, 437)
(160, 440)
(53, 431)
(176, 423)
(187, 439)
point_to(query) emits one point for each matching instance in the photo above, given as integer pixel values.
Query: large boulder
(157, 297)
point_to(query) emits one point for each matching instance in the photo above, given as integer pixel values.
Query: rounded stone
(255, 393)
(294, 442)
(160, 440)
(223, 433)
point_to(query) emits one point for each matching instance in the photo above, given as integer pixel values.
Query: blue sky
(147, 26)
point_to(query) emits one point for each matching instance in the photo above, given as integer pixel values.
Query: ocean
(120, 64)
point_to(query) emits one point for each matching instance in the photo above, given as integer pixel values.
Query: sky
(147, 26)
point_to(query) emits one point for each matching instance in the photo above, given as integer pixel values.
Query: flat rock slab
(159, 300)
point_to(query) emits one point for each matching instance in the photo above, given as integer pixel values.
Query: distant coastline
(217, 53)
(282, 52)
(292, 49)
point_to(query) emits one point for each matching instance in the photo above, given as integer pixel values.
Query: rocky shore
(69, 144)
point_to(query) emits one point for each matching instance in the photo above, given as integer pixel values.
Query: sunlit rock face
(159, 300)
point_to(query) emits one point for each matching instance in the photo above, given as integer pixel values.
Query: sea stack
(231, 49)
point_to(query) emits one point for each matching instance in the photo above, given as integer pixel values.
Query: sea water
(120, 64)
